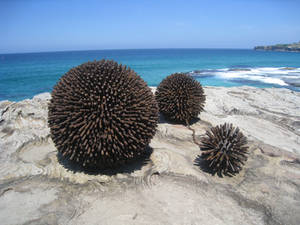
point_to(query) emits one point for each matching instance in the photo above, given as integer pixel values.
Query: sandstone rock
(171, 186)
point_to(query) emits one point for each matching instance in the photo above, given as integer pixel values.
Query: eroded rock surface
(171, 185)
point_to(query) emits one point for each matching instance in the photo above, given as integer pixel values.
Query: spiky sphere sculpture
(102, 114)
(224, 148)
(180, 97)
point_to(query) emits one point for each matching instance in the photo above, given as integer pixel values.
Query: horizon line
(116, 49)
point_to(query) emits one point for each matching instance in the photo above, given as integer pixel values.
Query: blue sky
(57, 25)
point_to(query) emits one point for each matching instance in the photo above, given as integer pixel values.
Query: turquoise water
(25, 75)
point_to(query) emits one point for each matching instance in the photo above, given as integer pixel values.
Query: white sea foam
(291, 77)
(270, 75)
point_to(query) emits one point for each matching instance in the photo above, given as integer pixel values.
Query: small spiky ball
(180, 97)
(102, 114)
(224, 148)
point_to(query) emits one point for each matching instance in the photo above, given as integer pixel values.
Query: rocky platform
(170, 185)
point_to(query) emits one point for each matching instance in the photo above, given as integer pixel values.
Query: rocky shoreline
(170, 185)
(295, 47)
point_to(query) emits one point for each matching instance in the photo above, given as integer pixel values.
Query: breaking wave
(282, 76)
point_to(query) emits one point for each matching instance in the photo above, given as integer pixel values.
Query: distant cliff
(295, 47)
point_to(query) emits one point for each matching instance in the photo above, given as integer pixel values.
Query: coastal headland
(171, 185)
(294, 47)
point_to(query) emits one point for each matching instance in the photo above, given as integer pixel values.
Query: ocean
(25, 75)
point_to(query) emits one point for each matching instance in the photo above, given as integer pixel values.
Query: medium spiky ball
(224, 148)
(180, 97)
(102, 114)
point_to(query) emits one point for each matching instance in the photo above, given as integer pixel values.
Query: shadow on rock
(129, 167)
(204, 166)
(163, 119)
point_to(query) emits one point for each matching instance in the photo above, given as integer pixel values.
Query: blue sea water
(25, 75)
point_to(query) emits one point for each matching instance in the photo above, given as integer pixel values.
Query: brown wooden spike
(89, 106)
(180, 97)
(222, 150)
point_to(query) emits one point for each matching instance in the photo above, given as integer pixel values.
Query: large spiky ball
(102, 114)
(224, 148)
(180, 97)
